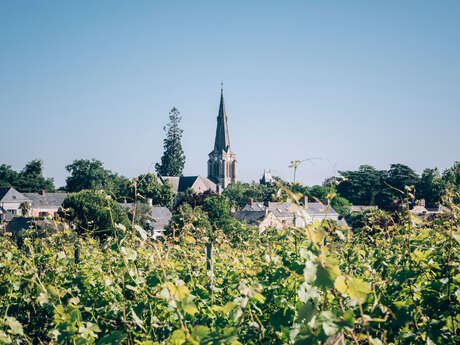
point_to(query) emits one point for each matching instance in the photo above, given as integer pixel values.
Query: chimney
(422, 202)
(232, 209)
(305, 200)
(43, 192)
(124, 201)
(150, 201)
(251, 202)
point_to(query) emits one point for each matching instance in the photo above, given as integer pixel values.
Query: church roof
(197, 183)
(222, 142)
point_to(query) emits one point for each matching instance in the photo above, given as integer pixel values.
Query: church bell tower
(222, 162)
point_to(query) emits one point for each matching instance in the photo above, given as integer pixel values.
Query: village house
(284, 214)
(40, 204)
(45, 204)
(423, 213)
(11, 199)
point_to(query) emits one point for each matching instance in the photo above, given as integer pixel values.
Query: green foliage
(297, 286)
(451, 179)
(190, 223)
(93, 212)
(369, 222)
(173, 159)
(147, 186)
(340, 205)
(430, 187)
(25, 208)
(361, 187)
(90, 174)
(369, 186)
(217, 208)
(239, 193)
(195, 199)
(28, 180)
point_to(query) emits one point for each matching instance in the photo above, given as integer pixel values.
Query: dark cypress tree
(173, 159)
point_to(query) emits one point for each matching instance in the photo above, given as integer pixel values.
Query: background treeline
(369, 186)
(365, 186)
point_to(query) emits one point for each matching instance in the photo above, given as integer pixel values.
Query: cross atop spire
(222, 142)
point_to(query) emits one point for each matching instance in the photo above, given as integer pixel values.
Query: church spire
(222, 161)
(222, 142)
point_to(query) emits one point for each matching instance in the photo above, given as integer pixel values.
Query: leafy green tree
(218, 210)
(25, 208)
(195, 199)
(147, 186)
(190, 221)
(93, 212)
(85, 174)
(451, 178)
(173, 159)
(430, 187)
(362, 186)
(399, 176)
(239, 193)
(90, 174)
(8, 176)
(31, 180)
(340, 205)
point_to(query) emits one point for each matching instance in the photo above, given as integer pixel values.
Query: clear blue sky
(353, 82)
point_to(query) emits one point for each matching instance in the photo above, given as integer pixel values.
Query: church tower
(222, 162)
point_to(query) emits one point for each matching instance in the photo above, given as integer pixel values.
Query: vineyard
(396, 283)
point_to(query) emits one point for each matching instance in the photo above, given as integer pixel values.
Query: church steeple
(222, 162)
(222, 142)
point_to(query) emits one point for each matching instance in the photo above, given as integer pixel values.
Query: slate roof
(161, 217)
(9, 194)
(281, 209)
(250, 217)
(256, 206)
(317, 208)
(181, 183)
(48, 200)
(287, 209)
(222, 142)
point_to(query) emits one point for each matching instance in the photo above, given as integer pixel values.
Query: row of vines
(323, 284)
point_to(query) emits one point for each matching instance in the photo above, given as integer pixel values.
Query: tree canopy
(29, 180)
(173, 159)
(148, 187)
(93, 212)
(90, 174)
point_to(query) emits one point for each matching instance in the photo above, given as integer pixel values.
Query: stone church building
(222, 161)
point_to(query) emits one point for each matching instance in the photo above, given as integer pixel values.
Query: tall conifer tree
(173, 159)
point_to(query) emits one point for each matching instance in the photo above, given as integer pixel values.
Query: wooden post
(77, 253)
(210, 266)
